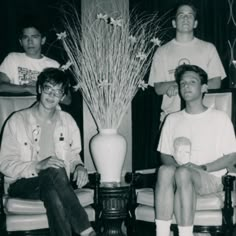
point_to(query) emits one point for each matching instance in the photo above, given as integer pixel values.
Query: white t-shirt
(168, 57)
(211, 134)
(22, 69)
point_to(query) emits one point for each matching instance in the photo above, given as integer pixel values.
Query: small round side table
(114, 198)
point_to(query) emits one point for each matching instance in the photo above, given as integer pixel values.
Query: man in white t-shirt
(19, 71)
(194, 151)
(184, 49)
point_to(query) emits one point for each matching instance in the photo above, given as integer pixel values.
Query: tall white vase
(108, 149)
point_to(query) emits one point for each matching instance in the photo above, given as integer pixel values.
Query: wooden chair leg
(228, 210)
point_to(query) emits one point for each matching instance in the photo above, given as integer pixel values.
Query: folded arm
(168, 160)
(6, 86)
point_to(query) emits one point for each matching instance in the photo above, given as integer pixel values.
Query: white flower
(141, 56)
(116, 22)
(142, 85)
(61, 35)
(66, 66)
(103, 83)
(156, 41)
(76, 87)
(102, 17)
(132, 39)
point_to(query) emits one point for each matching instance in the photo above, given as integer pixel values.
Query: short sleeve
(7, 66)
(165, 142)
(215, 67)
(157, 72)
(228, 142)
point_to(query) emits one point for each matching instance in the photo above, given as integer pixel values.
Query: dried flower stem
(110, 58)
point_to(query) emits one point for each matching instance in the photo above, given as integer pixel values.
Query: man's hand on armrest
(17, 89)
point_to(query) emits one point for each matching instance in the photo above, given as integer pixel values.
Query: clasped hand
(192, 165)
(80, 174)
(172, 91)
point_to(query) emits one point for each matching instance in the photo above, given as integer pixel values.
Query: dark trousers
(53, 187)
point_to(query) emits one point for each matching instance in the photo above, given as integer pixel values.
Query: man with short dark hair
(40, 148)
(19, 71)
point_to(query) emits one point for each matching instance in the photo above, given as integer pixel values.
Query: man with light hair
(194, 152)
(185, 48)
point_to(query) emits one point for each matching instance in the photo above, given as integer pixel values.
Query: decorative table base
(114, 202)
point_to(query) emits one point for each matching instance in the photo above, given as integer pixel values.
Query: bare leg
(177, 206)
(164, 193)
(185, 195)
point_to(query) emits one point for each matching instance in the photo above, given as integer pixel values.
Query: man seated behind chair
(19, 71)
(40, 148)
(194, 152)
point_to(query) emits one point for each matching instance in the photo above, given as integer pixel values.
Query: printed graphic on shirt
(182, 61)
(27, 76)
(182, 150)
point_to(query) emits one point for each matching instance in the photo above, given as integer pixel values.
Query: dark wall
(216, 26)
(48, 11)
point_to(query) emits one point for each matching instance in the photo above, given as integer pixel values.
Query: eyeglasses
(56, 92)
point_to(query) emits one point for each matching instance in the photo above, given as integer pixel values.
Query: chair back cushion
(220, 101)
(9, 104)
(208, 209)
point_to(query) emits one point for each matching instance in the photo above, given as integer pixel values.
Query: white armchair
(29, 216)
(214, 215)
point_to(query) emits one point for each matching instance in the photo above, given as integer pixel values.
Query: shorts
(209, 183)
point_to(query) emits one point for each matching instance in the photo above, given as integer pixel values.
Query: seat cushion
(19, 222)
(30, 214)
(145, 196)
(208, 207)
(21, 206)
(204, 218)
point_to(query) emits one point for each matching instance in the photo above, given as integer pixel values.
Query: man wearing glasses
(40, 147)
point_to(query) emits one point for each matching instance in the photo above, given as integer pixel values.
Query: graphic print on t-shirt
(182, 150)
(27, 76)
(182, 61)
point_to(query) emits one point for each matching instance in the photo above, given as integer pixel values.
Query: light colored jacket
(20, 144)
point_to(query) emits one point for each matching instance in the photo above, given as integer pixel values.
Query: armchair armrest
(138, 179)
(94, 183)
(228, 182)
(142, 178)
(2, 214)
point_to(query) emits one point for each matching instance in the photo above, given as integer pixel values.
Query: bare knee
(182, 176)
(165, 174)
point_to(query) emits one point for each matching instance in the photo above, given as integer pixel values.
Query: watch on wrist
(204, 167)
(80, 164)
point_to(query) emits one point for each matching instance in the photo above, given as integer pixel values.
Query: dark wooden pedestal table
(114, 199)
